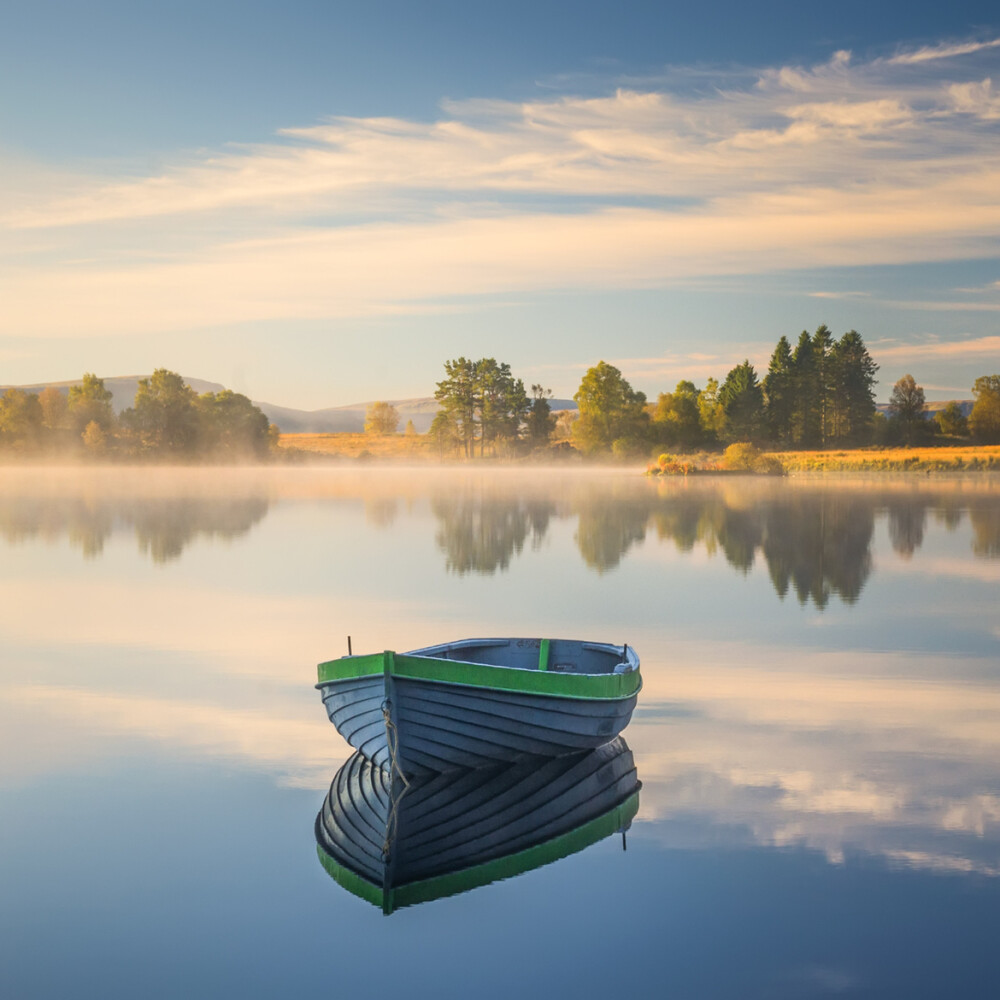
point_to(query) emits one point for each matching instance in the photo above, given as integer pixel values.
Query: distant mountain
(935, 406)
(352, 417)
(122, 388)
(330, 420)
(335, 419)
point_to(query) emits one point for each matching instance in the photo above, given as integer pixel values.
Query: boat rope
(392, 742)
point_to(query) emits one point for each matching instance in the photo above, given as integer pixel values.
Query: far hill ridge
(329, 420)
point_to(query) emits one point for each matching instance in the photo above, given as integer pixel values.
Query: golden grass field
(403, 447)
(344, 445)
(959, 458)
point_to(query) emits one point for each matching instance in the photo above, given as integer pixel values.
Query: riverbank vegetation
(816, 397)
(814, 409)
(167, 421)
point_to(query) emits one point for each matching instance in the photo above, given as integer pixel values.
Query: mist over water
(817, 738)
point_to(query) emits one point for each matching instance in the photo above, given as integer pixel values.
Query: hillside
(329, 420)
(932, 407)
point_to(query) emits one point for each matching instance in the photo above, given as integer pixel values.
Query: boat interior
(557, 655)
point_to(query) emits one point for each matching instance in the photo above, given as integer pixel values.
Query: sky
(318, 203)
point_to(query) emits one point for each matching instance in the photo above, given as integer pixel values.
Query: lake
(817, 738)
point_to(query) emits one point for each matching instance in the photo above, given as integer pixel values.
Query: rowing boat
(480, 702)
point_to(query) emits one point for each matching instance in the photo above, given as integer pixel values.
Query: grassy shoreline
(402, 447)
(944, 458)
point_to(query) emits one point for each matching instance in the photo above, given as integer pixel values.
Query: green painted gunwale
(602, 687)
(453, 883)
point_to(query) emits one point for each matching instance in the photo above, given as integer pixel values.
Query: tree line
(817, 394)
(167, 419)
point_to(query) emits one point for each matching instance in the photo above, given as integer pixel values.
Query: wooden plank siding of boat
(395, 845)
(446, 714)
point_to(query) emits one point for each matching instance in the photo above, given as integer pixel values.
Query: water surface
(818, 736)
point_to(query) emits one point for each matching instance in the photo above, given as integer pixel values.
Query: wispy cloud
(839, 164)
(928, 53)
(975, 347)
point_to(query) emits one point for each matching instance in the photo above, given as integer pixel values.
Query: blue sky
(318, 203)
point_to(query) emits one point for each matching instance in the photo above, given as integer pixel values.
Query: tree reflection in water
(820, 546)
(986, 530)
(815, 539)
(608, 527)
(163, 527)
(907, 521)
(814, 543)
(480, 531)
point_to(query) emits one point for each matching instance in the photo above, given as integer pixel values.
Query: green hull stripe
(543, 682)
(349, 667)
(601, 686)
(351, 881)
(489, 871)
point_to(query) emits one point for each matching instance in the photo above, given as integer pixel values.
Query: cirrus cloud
(842, 164)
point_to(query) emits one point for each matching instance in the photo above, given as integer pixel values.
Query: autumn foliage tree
(381, 418)
(90, 402)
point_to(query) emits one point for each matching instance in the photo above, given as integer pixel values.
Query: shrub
(740, 456)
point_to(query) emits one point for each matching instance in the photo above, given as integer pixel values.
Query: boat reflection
(396, 844)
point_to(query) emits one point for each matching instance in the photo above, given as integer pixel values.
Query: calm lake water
(818, 736)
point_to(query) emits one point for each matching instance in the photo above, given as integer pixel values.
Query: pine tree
(805, 421)
(742, 402)
(457, 395)
(779, 399)
(853, 388)
(825, 382)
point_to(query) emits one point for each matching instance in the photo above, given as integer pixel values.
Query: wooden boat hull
(430, 714)
(395, 844)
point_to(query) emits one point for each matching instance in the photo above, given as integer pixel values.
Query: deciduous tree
(984, 421)
(906, 408)
(230, 426)
(90, 401)
(711, 416)
(54, 406)
(381, 418)
(609, 409)
(540, 422)
(676, 419)
(20, 419)
(951, 421)
(94, 439)
(164, 419)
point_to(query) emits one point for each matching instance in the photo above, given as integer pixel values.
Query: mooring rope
(392, 742)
